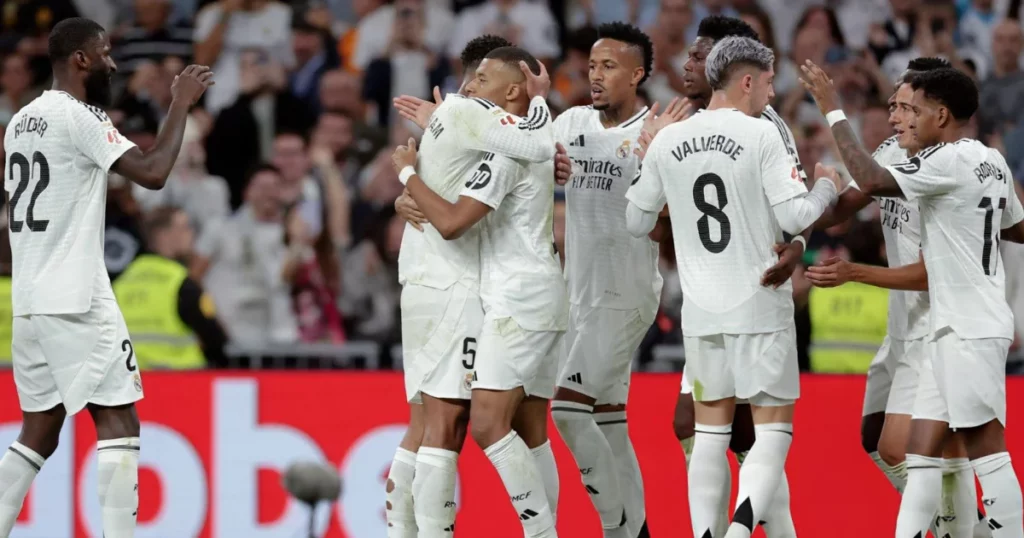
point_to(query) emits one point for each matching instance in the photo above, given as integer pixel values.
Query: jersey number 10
(986, 251)
(25, 169)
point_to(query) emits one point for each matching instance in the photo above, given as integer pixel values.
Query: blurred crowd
(285, 172)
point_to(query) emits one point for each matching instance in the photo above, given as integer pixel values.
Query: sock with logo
(981, 527)
(1001, 495)
(18, 468)
(896, 474)
(959, 505)
(514, 463)
(400, 515)
(544, 457)
(117, 480)
(631, 482)
(760, 476)
(709, 477)
(433, 492)
(921, 498)
(594, 458)
(778, 520)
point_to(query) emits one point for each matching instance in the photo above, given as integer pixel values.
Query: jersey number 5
(25, 169)
(469, 352)
(991, 240)
(711, 211)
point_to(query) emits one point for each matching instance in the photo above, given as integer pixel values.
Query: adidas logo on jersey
(576, 378)
(578, 142)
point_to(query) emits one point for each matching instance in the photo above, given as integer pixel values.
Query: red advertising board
(214, 444)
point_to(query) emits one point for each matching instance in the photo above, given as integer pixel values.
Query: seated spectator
(243, 133)
(151, 38)
(299, 190)
(408, 67)
(225, 31)
(529, 25)
(377, 31)
(312, 59)
(16, 84)
(312, 269)
(241, 261)
(370, 290)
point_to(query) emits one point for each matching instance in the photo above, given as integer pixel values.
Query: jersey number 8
(711, 211)
(25, 169)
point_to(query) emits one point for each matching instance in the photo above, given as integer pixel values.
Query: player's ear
(944, 116)
(638, 74)
(513, 91)
(81, 59)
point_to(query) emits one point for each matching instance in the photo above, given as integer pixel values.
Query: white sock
(18, 468)
(117, 478)
(399, 514)
(921, 498)
(959, 505)
(594, 458)
(544, 457)
(778, 521)
(760, 476)
(709, 477)
(631, 481)
(433, 492)
(1001, 495)
(514, 463)
(896, 474)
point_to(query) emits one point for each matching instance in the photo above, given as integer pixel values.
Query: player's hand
(820, 86)
(563, 165)
(642, 144)
(790, 255)
(417, 110)
(830, 173)
(830, 273)
(678, 110)
(404, 156)
(536, 85)
(406, 208)
(189, 86)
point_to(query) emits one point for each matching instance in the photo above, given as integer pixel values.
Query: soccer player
(521, 286)
(70, 348)
(441, 309)
(965, 194)
(893, 376)
(732, 189)
(613, 278)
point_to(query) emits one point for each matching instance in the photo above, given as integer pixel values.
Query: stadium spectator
(227, 29)
(151, 38)
(1002, 93)
(571, 82)
(528, 25)
(369, 289)
(241, 261)
(672, 44)
(380, 32)
(16, 85)
(313, 58)
(312, 270)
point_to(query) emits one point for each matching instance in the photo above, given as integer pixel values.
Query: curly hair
(633, 36)
(478, 48)
(718, 27)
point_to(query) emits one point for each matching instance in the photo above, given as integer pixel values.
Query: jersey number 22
(25, 169)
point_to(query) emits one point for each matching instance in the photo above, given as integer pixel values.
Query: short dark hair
(954, 89)
(259, 169)
(718, 27)
(157, 220)
(582, 39)
(70, 35)
(478, 48)
(634, 37)
(512, 56)
(927, 64)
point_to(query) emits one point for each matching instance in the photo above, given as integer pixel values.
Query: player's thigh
(708, 369)
(880, 376)
(972, 375)
(765, 367)
(512, 357)
(906, 376)
(91, 357)
(37, 389)
(439, 340)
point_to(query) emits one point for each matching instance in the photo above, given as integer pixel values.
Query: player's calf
(709, 477)
(1000, 489)
(24, 459)
(398, 505)
(433, 488)
(531, 424)
(612, 421)
(117, 470)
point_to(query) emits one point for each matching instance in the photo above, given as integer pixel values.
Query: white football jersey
(59, 151)
(450, 150)
(965, 194)
(605, 266)
(721, 172)
(521, 276)
(901, 229)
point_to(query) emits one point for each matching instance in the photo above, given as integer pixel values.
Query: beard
(97, 88)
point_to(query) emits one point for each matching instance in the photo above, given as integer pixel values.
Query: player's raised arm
(150, 169)
(836, 272)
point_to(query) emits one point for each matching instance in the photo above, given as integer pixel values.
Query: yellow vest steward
(148, 295)
(6, 320)
(848, 324)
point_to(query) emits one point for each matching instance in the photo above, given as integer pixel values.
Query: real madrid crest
(623, 150)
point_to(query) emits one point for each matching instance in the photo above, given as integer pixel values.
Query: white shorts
(74, 359)
(880, 374)
(761, 368)
(439, 332)
(597, 352)
(963, 382)
(511, 357)
(893, 377)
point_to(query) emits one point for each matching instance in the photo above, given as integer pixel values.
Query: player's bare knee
(531, 421)
(984, 440)
(446, 428)
(927, 438)
(41, 431)
(891, 451)
(115, 422)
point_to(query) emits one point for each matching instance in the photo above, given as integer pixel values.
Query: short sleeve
(1014, 213)
(647, 191)
(931, 172)
(492, 180)
(780, 177)
(95, 136)
(487, 127)
(206, 20)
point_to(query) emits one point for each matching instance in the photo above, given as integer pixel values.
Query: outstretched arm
(835, 272)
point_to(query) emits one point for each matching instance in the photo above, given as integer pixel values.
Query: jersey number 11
(986, 251)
